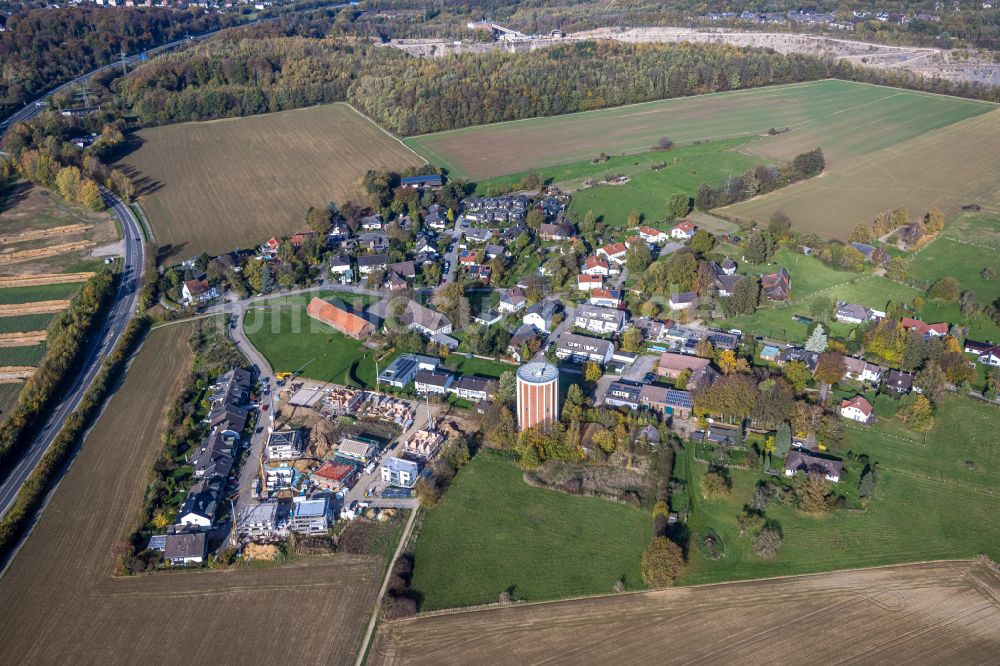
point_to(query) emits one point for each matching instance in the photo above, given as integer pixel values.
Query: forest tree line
(231, 76)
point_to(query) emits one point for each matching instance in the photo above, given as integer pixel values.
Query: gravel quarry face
(959, 66)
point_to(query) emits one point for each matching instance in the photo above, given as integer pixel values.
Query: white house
(861, 370)
(799, 460)
(585, 282)
(857, 409)
(653, 236)
(597, 265)
(184, 548)
(599, 320)
(198, 291)
(399, 472)
(605, 298)
(540, 316)
(683, 230)
(683, 300)
(580, 348)
(284, 445)
(615, 253)
(512, 300)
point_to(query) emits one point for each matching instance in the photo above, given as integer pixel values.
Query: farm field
(846, 119)
(62, 601)
(493, 532)
(282, 331)
(210, 186)
(947, 168)
(926, 613)
(934, 500)
(47, 292)
(36, 221)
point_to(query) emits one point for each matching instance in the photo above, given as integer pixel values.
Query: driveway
(635, 372)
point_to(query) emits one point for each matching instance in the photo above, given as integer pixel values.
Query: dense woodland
(41, 48)
(233, 77)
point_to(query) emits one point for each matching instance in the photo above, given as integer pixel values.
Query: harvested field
(37, 234)
(43, 279)
(62, 604)
(14, 373)
(947, 168)
(846, 119)
(211, 186)
(22, 339)
(15, 256)
(924, 613)
(33, 308)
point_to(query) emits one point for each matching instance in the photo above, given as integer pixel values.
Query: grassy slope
(492, 531)
(291, 341)
(929, 504)
(478, 366)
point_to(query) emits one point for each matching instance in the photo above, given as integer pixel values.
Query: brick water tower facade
(537, 394)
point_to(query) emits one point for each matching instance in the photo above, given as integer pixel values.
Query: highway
(122, 310)
(31, 109)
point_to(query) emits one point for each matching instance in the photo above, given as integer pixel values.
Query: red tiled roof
(594, 261)
(583, 277)
(334, 471)
(615, 248)
(860, 403)
(922, 327)
(345, 322)
(685, 226)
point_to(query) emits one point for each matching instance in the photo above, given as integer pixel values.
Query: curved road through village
(121, 312)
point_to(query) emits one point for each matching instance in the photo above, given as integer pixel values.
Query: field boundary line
(497, 606)
(387, 132)
(403, 539)
(147, 228)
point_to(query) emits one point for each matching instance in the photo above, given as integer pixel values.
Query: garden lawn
(293, 342)
(478, 366)
(492, 532)
(936, 499)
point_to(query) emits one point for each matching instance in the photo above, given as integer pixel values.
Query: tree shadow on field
(15, 195)
(168, 251)
(143, 184)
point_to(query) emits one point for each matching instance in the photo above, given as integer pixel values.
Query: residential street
(251, 467)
